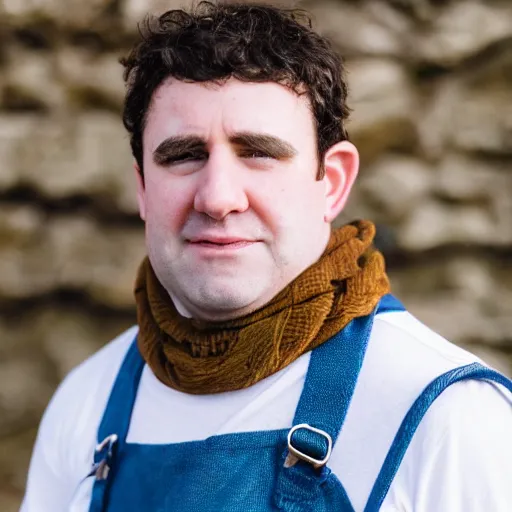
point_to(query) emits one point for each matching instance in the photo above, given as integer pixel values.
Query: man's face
(232, 206)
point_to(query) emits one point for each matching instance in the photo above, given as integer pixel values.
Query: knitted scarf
(211, 357)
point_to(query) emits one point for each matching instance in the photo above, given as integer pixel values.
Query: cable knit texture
(200, 357)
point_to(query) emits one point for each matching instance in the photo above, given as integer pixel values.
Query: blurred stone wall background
(431, 85)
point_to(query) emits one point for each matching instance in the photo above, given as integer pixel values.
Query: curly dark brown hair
(247, 41)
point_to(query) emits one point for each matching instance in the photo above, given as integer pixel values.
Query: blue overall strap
(413, 418)
(333, 371)
(114, 425)
(389, 304)
(328, 388)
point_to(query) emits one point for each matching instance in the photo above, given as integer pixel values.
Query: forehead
(210, 109)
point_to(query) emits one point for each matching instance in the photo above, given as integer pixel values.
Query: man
(270, 368)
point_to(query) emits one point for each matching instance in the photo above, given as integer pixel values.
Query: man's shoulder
(414, 355)
(77, 405)
(101, 368)
(401, 339)
(462, 447)
(403, 357)
(68, 430)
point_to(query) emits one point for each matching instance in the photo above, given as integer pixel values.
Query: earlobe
(341, 165)
(141, 191)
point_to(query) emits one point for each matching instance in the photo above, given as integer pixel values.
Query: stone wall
(431, 85)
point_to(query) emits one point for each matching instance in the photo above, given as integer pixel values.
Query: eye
(183, 157)
(255, 154)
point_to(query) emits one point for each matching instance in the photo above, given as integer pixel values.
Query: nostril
(219, 202)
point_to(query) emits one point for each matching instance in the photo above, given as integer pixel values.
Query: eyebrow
(177, 145)
(274, 146)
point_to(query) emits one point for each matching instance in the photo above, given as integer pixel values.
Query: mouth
(220, 243)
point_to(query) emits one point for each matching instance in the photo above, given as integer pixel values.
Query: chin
(226, 301)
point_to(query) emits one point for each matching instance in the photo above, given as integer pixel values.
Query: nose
(220, 190)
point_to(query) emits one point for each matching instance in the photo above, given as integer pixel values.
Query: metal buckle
(109, 441)
(317, 463)
(101, 469)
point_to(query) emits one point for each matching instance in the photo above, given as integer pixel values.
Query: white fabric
(460, 459)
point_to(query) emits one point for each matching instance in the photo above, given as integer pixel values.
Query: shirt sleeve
(460, 459)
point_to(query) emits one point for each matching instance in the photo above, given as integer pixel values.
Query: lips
(220, 242)
(217, 240)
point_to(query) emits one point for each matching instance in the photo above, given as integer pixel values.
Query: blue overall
(253, 471)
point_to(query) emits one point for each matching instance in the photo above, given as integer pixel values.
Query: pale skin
(230, 197)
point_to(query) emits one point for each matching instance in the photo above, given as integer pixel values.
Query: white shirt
(460, 459)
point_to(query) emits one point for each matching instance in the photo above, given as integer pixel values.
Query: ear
(341, 165)
(141, 191)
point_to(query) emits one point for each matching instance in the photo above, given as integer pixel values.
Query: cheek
(168, 205)
(269, 198)
(302, 198)
(287, 204)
